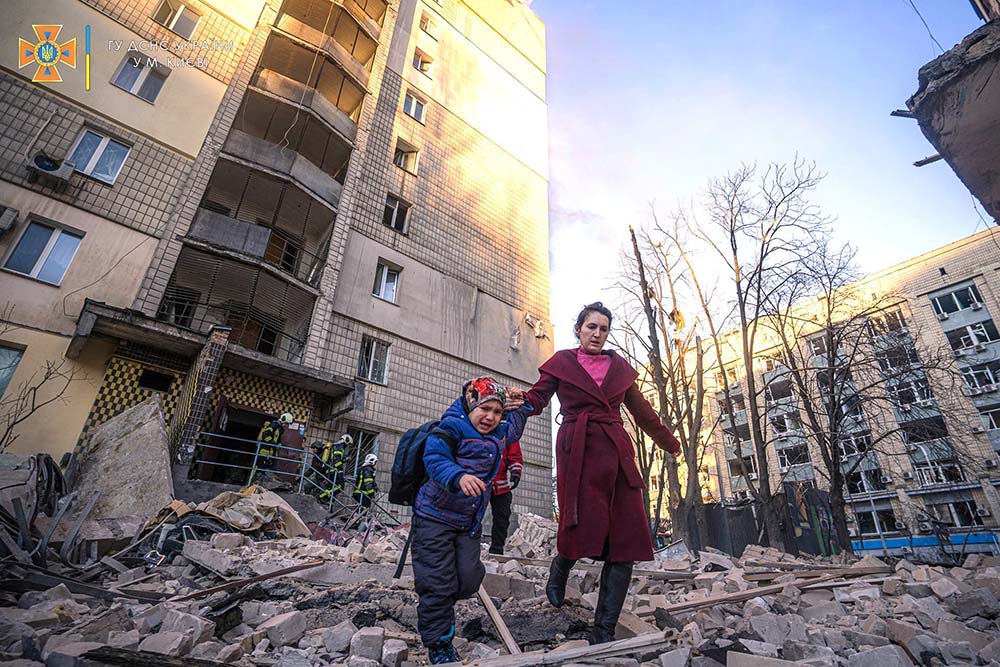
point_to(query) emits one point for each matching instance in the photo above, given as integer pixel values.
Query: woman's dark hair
(596, 307)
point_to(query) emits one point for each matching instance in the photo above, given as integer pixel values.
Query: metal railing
(308, 478)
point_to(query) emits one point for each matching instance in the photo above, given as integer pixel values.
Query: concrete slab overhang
(99, 320)
(957, 106)
(292, 27)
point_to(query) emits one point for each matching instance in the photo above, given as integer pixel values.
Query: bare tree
(46, 386)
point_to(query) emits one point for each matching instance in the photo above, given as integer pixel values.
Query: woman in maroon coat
(599, 487)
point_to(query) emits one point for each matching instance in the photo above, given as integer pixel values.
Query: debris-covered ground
(89, 578)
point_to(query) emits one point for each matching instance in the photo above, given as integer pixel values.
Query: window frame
(400, 204)
(58, 230)
(410, 160)
(419, 117)
(376, 344)
(432, 25)
(184, 7)
(145, 71)
(8, 378)
(977, 371)
(98, 153)
(426, 65)
(382, 271)
(782, 453)
(990, 418)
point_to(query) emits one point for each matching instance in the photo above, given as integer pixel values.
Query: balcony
(257, 216)
(332, 29)
(798, 472)
(266, 314)
(777, 374)
(297, 63)
(739, 419)
(939, 449)
(284, 163)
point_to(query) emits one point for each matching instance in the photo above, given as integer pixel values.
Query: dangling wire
(285, 143)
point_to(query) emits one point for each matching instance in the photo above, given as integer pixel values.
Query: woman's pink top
(596, 365)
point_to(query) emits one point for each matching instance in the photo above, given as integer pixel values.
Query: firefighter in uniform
(365, 486)
(329, 461)
(270, 437)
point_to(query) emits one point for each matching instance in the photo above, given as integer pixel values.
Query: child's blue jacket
(440, 497)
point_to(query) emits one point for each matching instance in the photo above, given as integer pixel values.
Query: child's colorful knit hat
(482, 389)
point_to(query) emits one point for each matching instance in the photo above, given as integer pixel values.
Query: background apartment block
(339, 211)
(939, 437)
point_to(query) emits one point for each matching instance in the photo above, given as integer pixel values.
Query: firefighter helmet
(286, 418)
(346, 440)
(371, 460)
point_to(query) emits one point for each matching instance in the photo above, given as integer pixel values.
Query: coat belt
(576, 453)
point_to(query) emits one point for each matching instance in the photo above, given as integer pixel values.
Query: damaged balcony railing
(307, 478)
(250, 327)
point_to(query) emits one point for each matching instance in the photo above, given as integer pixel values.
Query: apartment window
(887, 322)
(983, 375)
(960, 513)
(909, 392)
(818, 344)
(939, 473)
(784, 423)
(413, 107)
(364, 443)
(974, 334)
(773, 362)
(873, 523)
(179, 306)
(778, 391)
(386, 281)
(793, 456)
(155, 380)
(44, 252)
(422, 62)
(9, 359)
(98, 156)
(139, 75)
(865, 481)
(897, 358)
(749, 463)
(924, 430)
(990, 416)
(739, 406)
(405, 156)
(178, 17)
(373, 362)
(960, 299)
(395, 213)
(854, 444)
(428, 25)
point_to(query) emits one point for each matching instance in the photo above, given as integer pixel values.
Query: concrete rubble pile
(238, 598)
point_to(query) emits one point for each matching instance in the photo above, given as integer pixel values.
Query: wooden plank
(120, 656)
(658, 575)
(502, 629)
(656, 641)
(777, 565)
(859, 571)
(112, 564)
(742, 596)
(251, 580)
(13, 548)
(411, 638)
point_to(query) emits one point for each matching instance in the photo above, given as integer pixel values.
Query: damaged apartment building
(332, 208)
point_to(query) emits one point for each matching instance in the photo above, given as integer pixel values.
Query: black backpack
(408, 472)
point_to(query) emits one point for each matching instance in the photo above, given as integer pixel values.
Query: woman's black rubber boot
(615, 580)
(555, 587)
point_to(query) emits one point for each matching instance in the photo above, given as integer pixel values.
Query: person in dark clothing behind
(270, 437)
(507, 479)
(448, 512)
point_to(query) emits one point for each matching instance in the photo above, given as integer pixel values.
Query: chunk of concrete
(394, 652)
(883, 656)
(227, 541)
(284, 629)
(200, 629)
(367, 643)
(338, 638)
(211, 559)
(680, 657)
(977, 602)
(749, 660)
(167, 643)
(960, 632)
(126, 464)
(70, 655)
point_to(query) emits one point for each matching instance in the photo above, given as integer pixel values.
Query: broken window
(373, 361)
(960, 299)
(395, 213)
(791, 456)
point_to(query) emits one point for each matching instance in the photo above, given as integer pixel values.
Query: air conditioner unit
(988, 388)
(979, 429)
(751, 475)
(979, 347)
(982, 511)
(958, 353)
(924, 527)
(989, 463)
(900, 525)
(49, 171)
(907, 475)
(906, 407)
(852, 531)
(783, 469)
(885, 479)
(977, 306)
(8, 219)
(942, 316)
